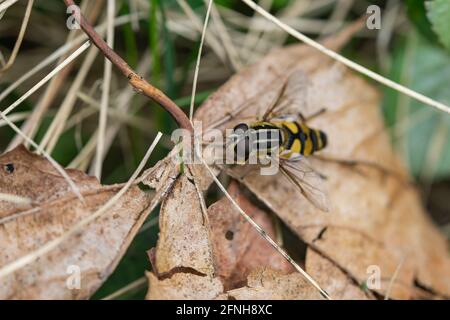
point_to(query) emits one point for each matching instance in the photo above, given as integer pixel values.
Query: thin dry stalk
(83, 157)
(392, 281)
(44, 63)
(122, 105)
(134, 14)
(197, 24)
(53, 133)
(263, 234)
(136, 284)
(199, 57)
(349, 63)
(6, 4)
(224, 36)
(337, 18)
(19, 40)
(119, 115)
(49, 76)
(31, 126)
(14, 198)
(391, 18)
(55, 164)
(15, 117)
(100, 153)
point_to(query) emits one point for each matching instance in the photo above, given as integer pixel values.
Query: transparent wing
(307, 180)
(288, 98)
(292, 97)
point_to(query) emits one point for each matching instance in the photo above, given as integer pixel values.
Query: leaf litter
(376, 218)
(91, 253)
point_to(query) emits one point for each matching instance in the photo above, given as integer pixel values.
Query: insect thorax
(266, 135)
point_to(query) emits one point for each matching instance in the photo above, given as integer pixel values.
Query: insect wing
(289, 98)
(292, 97)
(307, 180)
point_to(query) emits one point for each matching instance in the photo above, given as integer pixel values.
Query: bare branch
(134, 79)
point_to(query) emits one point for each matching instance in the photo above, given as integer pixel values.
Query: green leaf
(417, 14)
(131, 50)
(153, 32)
(419, 131)
(169, 57)
(438, 11)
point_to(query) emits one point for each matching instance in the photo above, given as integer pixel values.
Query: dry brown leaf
(184, 286)
(184, 240)
(342, 286)
(54, 210)
(375, 218)
(333, 280)
(183, 262)
(267, 284)
(162, 175)
(238, 248)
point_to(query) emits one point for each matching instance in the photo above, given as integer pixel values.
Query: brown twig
(136, 81)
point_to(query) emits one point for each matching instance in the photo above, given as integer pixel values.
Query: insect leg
(243, 172)
(355, 163)
(311, 116)
(275, 102)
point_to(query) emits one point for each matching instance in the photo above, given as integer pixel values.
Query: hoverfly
(288, 136)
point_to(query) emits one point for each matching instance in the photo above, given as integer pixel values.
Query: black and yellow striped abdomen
(292, 138)
(298, 138)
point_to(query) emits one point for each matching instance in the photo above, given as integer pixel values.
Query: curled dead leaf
(92, 254)
(183, 266)
(183, 286)
(266, 284)
(184, 240)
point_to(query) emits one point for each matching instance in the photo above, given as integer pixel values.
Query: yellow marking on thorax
(260, 123)
(296, 146)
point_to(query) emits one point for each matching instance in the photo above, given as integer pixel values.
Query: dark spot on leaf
(229, 235)
(9, 168)
(320, 235)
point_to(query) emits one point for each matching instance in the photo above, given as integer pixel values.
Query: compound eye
(240, 129)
